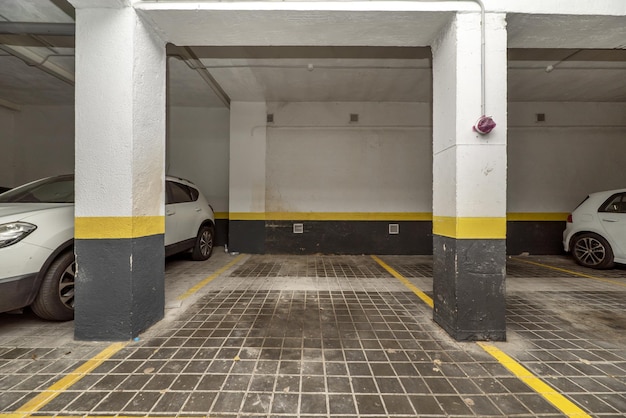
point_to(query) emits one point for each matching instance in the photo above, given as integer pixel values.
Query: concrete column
(120, 174)
(246, 230)
(469, 180)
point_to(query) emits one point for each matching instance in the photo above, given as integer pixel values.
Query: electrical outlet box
(298, 228)
(394, 229)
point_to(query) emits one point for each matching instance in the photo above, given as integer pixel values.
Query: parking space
(300, 336)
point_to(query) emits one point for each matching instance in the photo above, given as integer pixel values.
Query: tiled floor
(320, 336)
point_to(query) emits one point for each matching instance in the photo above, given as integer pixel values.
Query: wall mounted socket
(394, 229)
(298, 228)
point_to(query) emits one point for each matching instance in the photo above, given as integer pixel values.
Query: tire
(203, 247)
(591, 250)
(55, 300)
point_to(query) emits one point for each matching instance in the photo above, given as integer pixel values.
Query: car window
(615, 204)
(194, 193)
(178, 193)
(50, 190)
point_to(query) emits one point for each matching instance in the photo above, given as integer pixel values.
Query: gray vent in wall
(394, 229)
(298, 228)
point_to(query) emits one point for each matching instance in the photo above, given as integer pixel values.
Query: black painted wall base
(469, 288)
(330, 237)
(119, 287)
(372, 237)
(535, 237)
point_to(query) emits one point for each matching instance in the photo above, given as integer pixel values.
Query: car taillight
(569, 218)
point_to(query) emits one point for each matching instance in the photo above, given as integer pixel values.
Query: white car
(596, 230)
(37, 266)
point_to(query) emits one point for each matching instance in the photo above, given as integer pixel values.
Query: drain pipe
(482, 56)
(485, 123)
(68, 29)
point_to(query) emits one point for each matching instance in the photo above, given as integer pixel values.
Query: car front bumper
(21, 264)
(17, 292)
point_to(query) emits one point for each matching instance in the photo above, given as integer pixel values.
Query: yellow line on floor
(559, 401)
(59, 387)
(575, 273)
(206, 281)
(100, 416)
(423, 296)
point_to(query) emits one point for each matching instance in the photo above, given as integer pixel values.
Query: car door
(178, 210)
(613, 218)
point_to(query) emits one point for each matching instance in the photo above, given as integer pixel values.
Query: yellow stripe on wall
(331, 216)
(537, 216)
(373, 216)
(114, 227)
(469, 228)
(247, 216)
(221, 215)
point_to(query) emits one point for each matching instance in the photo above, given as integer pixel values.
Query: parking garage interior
(313, 149)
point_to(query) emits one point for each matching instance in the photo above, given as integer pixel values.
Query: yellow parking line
(97, 416)
(575, 273)
(423, 296)
(559, 401)
(206, 281)
(56, 389)
(59, 387)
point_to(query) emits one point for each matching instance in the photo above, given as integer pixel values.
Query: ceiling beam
(187, 55)
(10, 105)
(37, 28)
(30, 57)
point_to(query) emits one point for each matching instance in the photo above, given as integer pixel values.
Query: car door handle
(610, 220)
(198, 210)
(169, 212)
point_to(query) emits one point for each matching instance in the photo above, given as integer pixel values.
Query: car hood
(23, 211)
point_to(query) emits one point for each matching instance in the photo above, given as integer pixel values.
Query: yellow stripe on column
(469, 228)
(114, 227)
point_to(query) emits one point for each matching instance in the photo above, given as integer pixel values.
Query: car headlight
(14, 232)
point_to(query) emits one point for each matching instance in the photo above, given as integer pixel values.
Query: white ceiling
(588, 55)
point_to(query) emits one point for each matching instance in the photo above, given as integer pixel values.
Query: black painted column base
(469, 288)
(120, 287)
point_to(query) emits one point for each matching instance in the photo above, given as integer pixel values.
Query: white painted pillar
(248, 132)
(120, 172)
(469, 179)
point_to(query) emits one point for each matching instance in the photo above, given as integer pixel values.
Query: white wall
(553, 165)
(381, 164)
(44, 142)
(197, 146)
(318, 161)
(198, 150)
(247, 157)
(7, 147)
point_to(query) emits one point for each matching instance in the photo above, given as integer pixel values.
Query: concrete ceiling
(587, 55)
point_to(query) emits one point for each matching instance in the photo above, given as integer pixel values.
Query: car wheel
(55, 300)
(591, 250)
(204, 243)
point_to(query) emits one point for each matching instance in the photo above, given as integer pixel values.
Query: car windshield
(58, 189)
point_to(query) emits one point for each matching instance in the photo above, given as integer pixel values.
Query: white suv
(596, 230)
(37, 241)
